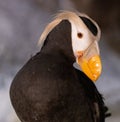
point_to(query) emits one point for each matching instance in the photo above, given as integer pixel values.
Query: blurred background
(21, 24)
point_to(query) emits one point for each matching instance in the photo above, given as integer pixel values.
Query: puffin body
(49, 89)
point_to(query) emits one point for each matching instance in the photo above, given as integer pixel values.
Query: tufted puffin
(57, 84)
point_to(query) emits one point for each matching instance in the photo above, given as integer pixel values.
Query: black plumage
(49, 89)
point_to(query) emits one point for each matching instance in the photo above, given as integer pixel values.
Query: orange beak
(90, 62)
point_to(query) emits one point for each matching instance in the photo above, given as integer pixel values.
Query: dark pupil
(90, 25)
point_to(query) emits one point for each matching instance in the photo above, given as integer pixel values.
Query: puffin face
(85, 37)
(85, 34)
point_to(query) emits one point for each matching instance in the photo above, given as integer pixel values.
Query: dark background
(22, 22)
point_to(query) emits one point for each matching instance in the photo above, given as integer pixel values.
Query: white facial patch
(80, 43)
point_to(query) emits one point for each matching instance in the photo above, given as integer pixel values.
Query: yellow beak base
(92, 67)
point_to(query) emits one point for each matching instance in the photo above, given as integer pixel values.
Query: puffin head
(85, 34)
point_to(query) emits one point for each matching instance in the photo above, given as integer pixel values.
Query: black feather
(91, 26)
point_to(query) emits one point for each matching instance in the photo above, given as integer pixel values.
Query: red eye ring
(80, 35)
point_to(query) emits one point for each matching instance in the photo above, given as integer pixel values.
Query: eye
(80, 35)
